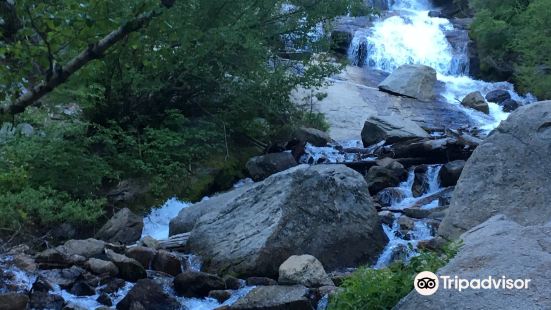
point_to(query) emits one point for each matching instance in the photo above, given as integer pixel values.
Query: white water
(421, 230)
(412, 37)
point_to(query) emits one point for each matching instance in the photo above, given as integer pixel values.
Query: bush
(383, 288)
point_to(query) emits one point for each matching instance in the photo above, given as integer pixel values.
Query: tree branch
(92, 52)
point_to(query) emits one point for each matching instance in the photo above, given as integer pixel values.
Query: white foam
(156, 223)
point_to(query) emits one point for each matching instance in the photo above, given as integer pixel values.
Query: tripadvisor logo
(427, 283)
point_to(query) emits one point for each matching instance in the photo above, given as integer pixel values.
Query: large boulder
(303, 269)
(275, 297)
(498, 247)
(261, 167)
(124, 227)
(99, 266)
(147, 294)
(508, 174)
(414, 81)
(391, 128)
(186, 219)
(261, 228)
(476, 101)
(379, 178)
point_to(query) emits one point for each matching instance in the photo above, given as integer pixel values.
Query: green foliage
(512, 38)
(382, 288)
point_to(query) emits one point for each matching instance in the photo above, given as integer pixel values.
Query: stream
(404, 35)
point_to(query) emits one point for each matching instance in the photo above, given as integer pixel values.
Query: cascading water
(408, 35)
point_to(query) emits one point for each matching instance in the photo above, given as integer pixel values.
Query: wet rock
(390, 195)
(149, 242)
(266, 223)
(13, 301)
(232, 283)
(391, 129)
(260, 281)
(52, 258)
(72, 252)
(476, 101)
(313, 136)
(25, 262)
(510, 105)
(45, 300)
(498, 247)
(406, 224)
(167, 262)
(112, 285)
(397, 168)
(508, 174)
(81, 288)
(105, 300)
(275, 297)
(414, 81)
(304, 269)
(421, 181)
(340, 41)
(220, 295)
(99, 266)
(399, 253)
(124, 227)
(379, 178)
(428, 151)
(386, 217)
(142, 254)
(197, 284)
(420, 213)
(129, 268)
(434, 244)
(498, 96)
(450, 173)
(261, 167)
(147, 294)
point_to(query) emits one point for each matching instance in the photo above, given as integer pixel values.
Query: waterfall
(408, 35)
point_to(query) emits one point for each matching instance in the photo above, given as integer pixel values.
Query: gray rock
(391, 129)
(450, 173)
(414, 81)
(129, 268)
(304, 269)
(386, 217)
(498, 96)
(220, 295)
(507, 174)
(275, 297)
(261, 228)
(147, 294)
(149, 242)
(142, 254)
(167, 262)
(510, 105)
(421, 181)
(476, 101)
(379, 178)
(124, 227)
(197, 284)
(261, 167)
(498, 247)
(186, 219)
(313, 136)
(13, 301)
(99, 266)
(87, 248)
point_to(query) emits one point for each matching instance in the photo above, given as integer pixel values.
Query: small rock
(142, 254)
(124, 227)
(391, 129)
(81, 288)
(86, 248)
(197, 284)
(260, 281)
(379, 178)
(147, 295)
(167, 262)
(221, 295)
(129, 269)
(232, 283)
(498, 96)
(149, 242)
(476, 101)
(386, 217)
(104, 299)
(304, 269)
(275, 297)
(99, 266)
(25, 262)
(510, 105)
(112, 285)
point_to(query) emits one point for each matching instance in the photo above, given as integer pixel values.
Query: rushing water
(407, 35)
